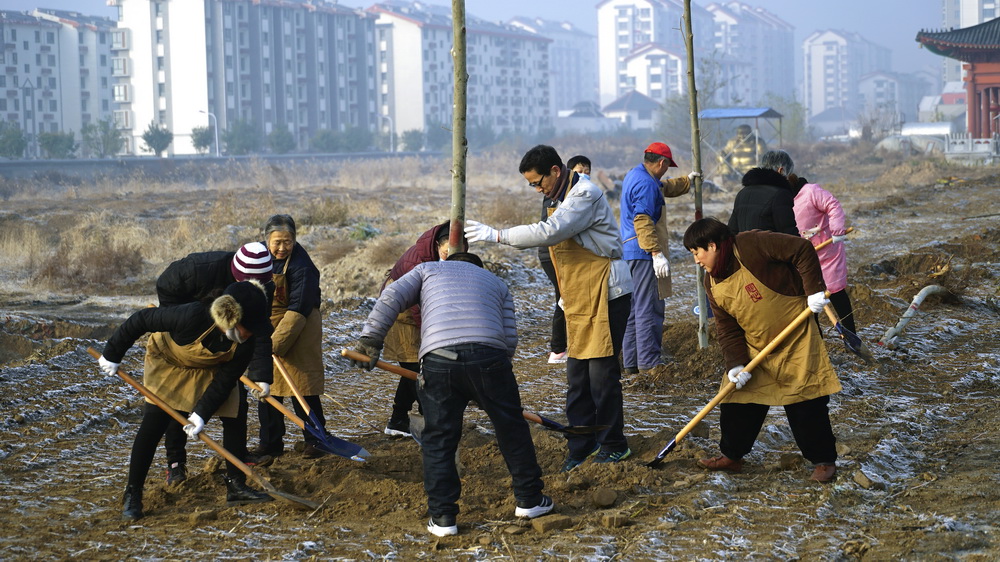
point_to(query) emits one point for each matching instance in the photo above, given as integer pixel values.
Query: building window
(120, 93)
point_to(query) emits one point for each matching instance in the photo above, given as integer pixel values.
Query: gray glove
(372, 348)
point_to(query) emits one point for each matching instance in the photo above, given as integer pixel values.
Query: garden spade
(268, 487)
(327, 442)
(731, 386)
(530, 416)
(851, 340)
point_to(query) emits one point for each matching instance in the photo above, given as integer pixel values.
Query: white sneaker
(557, 357)
(543, 507)
(444, 526)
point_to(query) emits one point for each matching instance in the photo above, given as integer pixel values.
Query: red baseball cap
(663, 150)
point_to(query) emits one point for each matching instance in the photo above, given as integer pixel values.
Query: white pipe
(891, 336)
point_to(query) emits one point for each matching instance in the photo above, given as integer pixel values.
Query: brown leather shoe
(824, 472)
(311, 451)
(722, 462)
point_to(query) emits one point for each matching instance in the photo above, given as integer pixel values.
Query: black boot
(132, 502)
(238, 493)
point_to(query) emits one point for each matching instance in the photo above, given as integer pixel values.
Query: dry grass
(102, 250)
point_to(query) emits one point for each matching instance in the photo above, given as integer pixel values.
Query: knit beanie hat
(252, 261)
(243, 302)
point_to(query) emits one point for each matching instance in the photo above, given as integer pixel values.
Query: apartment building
(623, 26)
(509, 71)
(572, 61)
(834, 63)
(753, 54)
(957, 14)
(304, 65)
(893, 93)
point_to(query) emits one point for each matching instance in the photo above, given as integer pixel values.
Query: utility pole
(696, 164)
(459, 144)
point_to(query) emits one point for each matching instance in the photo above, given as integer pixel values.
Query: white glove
(839, 238)
(661, 265)
(109, 368)
(559, 303)
(817, 302)
(693, 175)
(807, 234)
(479, 232)
(194, 428)
(264, 392)
(738, 376)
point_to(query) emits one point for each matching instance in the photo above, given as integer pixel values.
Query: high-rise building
(303, 65)
(572, 61)
(957, 14)
(834, 63)
(509, 74)
(624, 26)
(753, 56)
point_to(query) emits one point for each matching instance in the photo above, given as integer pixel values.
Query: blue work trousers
(644, 332)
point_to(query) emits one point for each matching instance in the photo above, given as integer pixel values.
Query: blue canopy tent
(723, 120)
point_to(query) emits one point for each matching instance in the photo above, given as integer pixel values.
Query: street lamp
(392, 133)
(215, 128)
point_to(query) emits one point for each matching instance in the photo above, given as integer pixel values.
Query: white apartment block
(754, 54)
(958, 14)
(509, 74)
(656, 72)
(890, 92)
(305, 65)
(834, 63)
(623, 26)
(55, 72)
(572, 61)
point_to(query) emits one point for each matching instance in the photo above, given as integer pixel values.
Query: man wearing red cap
(644, 239)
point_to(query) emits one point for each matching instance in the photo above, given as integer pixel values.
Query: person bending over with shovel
(195, 355)
(467, 338)
(757, 284)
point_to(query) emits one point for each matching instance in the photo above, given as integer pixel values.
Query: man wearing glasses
(596, 287)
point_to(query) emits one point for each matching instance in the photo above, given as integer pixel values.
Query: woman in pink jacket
(819, 217)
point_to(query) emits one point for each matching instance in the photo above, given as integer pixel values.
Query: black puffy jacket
(764, 203)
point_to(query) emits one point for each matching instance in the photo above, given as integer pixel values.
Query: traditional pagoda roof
(979, 43)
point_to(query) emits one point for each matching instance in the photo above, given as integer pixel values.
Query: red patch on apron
(751, 290)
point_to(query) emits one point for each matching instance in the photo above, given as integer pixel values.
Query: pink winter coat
(818, 211)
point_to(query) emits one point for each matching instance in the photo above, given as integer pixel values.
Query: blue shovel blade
(333, 444)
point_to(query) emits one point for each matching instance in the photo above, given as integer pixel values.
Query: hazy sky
(890, 23)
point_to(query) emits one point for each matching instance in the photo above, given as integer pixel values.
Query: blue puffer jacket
(459, 303)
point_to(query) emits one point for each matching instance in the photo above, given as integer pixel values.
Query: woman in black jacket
(195, 355)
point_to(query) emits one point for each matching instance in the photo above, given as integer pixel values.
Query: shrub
(328, 211)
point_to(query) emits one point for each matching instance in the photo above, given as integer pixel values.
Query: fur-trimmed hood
(763, 176)
(244, 302)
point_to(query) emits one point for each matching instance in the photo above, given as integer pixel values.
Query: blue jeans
(594, 396)
(483, 374)
(644, 333)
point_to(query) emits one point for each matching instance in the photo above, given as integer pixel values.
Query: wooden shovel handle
(274, 402)
(731, 386)
(829, 241)
(183, 421)
(288, 380)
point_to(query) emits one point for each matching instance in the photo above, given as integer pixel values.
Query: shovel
(731, 386)
(268, 487)
(530, 416)
(327, 442)
(851, 340)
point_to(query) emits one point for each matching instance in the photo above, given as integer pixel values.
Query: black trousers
(594, 393)
(154, 425)
(175, 440)
(557, 343)
(272, 423)
(841, 302)
(406, 395)
(809, 421)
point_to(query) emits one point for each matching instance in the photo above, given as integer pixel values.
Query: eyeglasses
(537, 184)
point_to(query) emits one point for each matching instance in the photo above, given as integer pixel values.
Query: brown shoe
(311, 451)
(824, 472)
(722, 462)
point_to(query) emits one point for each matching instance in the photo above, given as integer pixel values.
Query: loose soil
(917, 430)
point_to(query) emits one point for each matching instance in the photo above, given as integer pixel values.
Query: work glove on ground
(693, 175)
(738, 376)
(194, 426)
(479, 232)
(661, 265)
(817, 302)
(109, 368)
(370, 347)
(839, 238)
(264, 392)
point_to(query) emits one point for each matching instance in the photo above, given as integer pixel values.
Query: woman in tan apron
(755, 286)
(297, 339)
(194, 358)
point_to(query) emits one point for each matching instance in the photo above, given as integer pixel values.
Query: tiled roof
(632, 101)
(979, 43)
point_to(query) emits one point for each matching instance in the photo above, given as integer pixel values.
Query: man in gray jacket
(467, 338)
(596, 289)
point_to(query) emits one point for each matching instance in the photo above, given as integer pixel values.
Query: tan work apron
(402, 341)
(583, 284)
(304, 357)
(797, 370)
(180, 374)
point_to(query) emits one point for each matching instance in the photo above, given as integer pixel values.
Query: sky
(890, 23)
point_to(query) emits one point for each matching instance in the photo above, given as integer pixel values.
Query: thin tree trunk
(696, 164)
(459, 144)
